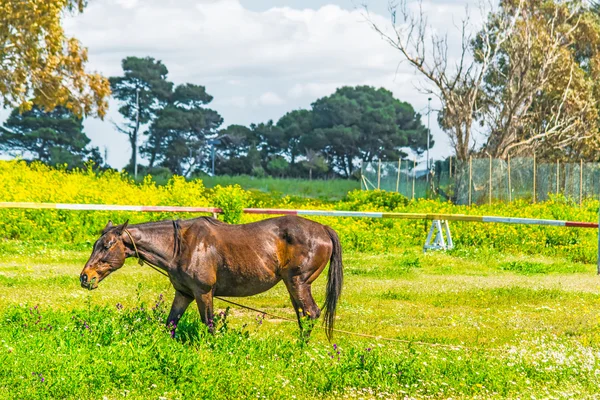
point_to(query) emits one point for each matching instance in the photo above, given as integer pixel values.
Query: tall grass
(333, 189)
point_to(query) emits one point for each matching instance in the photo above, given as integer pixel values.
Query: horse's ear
(122, 227)
(107, 227)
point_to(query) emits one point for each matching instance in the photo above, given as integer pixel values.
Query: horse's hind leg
(303, 302)
(205, 307)
(301, 273)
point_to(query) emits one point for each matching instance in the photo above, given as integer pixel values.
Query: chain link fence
(484, 180)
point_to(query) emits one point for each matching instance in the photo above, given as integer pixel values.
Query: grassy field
(512, 327)
(327, 190)
(330, 190)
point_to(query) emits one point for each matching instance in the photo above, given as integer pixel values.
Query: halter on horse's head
(108, 255)
(111, 250)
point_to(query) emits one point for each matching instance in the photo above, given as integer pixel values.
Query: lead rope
(447, 346)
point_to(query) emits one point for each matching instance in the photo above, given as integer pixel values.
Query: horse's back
(275, 243)
(290, 228)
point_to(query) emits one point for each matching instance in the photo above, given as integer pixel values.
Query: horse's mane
(178, 238)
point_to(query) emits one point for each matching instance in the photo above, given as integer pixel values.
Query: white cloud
(127, 3)
(234, 101)
(269, 99)
(312, 89)
(239, 54)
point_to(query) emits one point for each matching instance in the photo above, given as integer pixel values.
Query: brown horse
(205, 257)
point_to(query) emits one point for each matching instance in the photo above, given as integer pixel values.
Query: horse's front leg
(205, 307)
(180, 304)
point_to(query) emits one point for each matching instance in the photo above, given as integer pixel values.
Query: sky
(258, 58)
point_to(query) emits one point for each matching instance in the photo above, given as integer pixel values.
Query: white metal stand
(437, 233)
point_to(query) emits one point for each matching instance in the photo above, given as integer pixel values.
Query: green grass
(328, 190)
(523, 327)
(528, 267)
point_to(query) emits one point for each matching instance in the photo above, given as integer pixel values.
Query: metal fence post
(414, 177)
(470, 179)
(509, 182)
(490, 181)
(598, 268)
(534, 180)
(580, 182)
(379, 175)
(398, 179)
(407, 175)
(361, 176)
(557, 174)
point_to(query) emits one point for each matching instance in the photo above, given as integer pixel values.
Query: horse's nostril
(83, 278)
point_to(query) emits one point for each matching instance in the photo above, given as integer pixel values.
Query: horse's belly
(242, 291)
(238, 284)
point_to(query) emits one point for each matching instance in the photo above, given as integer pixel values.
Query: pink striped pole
(310, 213)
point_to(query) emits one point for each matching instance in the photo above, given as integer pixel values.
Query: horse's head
(108, 255)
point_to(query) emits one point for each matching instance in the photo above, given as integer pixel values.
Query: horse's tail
(334, 282)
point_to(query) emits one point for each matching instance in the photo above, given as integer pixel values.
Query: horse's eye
(110, 244)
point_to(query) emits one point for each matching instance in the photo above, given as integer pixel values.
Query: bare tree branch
(458, 87)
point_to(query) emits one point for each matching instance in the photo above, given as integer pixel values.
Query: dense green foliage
(177, 131)
(179, 122)
(353, 124)
(177, 137)
(363, 123)
(326, 190)
(53, 137)
(231, 200)
(79, 228)
(140, 92)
